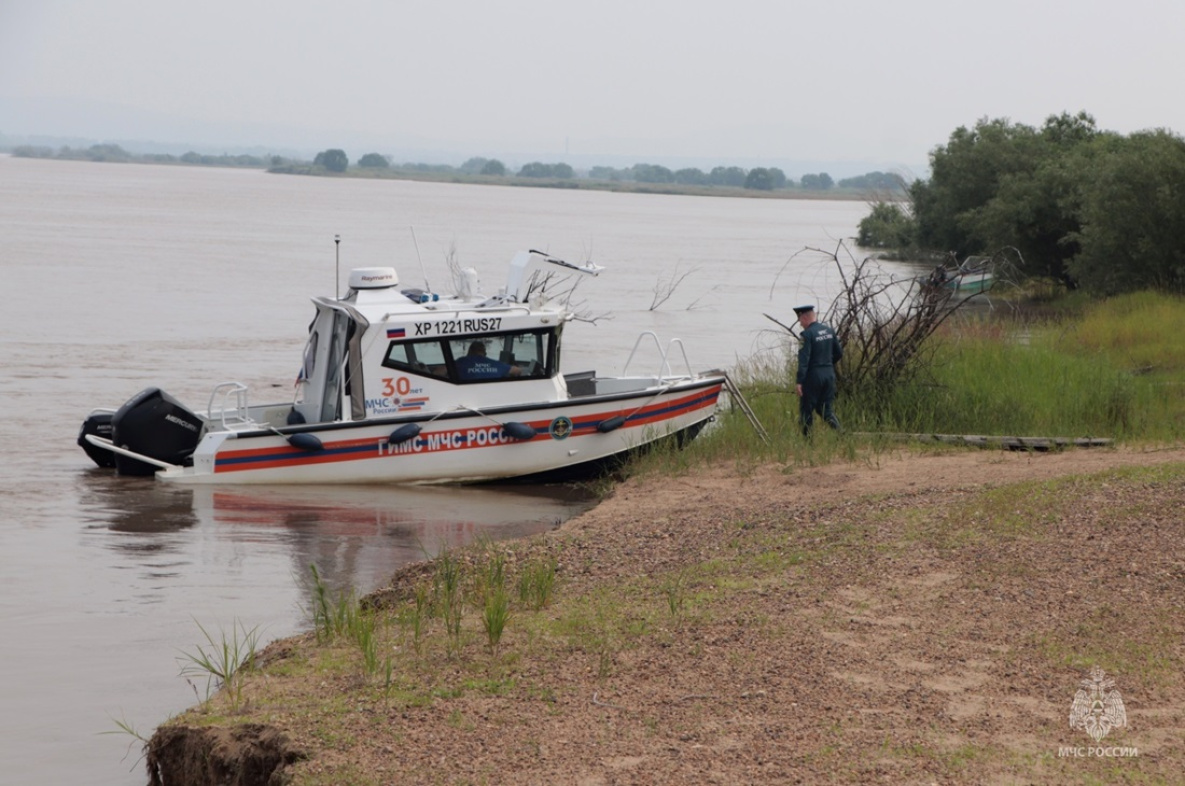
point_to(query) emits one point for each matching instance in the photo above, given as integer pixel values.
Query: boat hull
(972, 283)
(552, 440)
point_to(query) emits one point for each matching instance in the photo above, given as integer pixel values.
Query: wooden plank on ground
(1004, 442)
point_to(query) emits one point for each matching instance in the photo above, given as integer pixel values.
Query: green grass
(495, 615)
(1140, 332)
(1107, 636)
(537, 582)
(985, 386)
(1111, 369)
(1115, 370)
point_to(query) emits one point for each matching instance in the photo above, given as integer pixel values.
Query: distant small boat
(396, 387)
(973, 276)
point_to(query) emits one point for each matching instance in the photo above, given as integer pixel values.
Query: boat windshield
(512, 356)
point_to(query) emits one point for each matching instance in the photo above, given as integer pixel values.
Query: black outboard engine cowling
(156, 425)
(99, 424)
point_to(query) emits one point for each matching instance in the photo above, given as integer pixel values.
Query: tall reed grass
(344, 617)
(1113, 369)
(1142, 332)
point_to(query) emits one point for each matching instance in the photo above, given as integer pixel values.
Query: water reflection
(134, 505)
(355, 535)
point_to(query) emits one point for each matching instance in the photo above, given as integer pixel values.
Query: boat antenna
(423, 271)
(337, 270)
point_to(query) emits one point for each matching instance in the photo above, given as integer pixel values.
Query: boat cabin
(382, 351)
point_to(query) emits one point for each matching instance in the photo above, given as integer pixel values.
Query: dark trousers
(818, 396)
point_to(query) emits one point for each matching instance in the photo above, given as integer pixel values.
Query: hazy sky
(726, 81)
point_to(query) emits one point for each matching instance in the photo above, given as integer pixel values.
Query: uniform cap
(800, 310)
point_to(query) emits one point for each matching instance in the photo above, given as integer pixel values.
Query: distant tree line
(761, 178)
(111, 152)
(539, 169)
(335, 160)
(757, 179)
(1087, 207)
(876, 181)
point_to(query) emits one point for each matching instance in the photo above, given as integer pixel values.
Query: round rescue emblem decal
(560, 428)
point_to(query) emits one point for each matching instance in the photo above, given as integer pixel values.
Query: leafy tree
(653, 173)
(607, 173)
(562, 171)
(759, 179)
(1133, 215)
(965, 176)
(777, 177)
(727, 176)
(333, 159)
(374, 161)
(493, 167)
(691, 177)
(879, 181)
(107, 152)
(888, 226)
(473, 166)
(1002, 184)
(819, 182)
(1081, 205)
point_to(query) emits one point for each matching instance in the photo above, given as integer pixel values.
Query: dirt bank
(909, 619)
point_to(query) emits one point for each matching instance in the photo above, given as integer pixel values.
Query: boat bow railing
(664, 370)
(231, 398)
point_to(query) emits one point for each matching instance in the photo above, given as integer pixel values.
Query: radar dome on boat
(373, 278)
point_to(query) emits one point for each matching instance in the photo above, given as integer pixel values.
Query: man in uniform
(475, 365)
(815, 383)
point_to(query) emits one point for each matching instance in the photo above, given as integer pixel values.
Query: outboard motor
(156, 425)
(99, 424)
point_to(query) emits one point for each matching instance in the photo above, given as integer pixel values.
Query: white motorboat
(406, 386)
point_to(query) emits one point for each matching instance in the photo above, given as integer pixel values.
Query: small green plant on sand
(363, 631)
(224, 662)
(420, 613)
(494, 616)
(331, 617)
(492, 596)
(536, 582)
(127, 727)
(344, 617)
(675, 589)
(449, 597)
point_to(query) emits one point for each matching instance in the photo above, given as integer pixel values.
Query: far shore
(835, 193)
(587, 184)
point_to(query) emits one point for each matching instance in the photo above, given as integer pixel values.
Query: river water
(115, 277)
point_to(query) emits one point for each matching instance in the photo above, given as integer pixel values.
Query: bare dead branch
(664, 288)
(556, 286)
(453, 264)
(884, 322)
(782, 325)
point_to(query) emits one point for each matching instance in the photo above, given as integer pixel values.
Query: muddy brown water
(117, 277)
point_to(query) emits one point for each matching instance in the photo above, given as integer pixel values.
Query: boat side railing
(664, 368)
(232, 404)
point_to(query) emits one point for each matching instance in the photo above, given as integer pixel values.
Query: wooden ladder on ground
(738, 401)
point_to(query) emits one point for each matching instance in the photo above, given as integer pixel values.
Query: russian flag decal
(396, 332)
